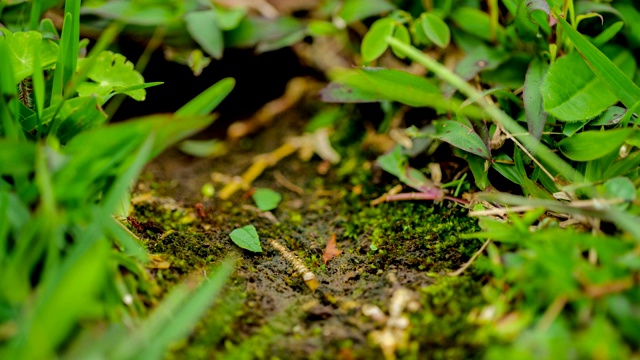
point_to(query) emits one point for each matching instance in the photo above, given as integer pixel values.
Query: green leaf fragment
(246, 237)
(266, 199)
(110, 72)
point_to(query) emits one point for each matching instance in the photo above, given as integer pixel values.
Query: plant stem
(530, 143)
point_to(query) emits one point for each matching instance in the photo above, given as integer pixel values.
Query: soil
(386, 294)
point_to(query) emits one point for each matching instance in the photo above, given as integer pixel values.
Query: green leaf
(614, 78)
(462, 137)
(355, 10)
(436, 29)
(475, 22)
(374, 43)
(375, 84)
(611, 116)
(402, 34)
(229, 19)
(204, 30)
(203, 148)
(591, 145)
(109, 72)
(247, 238)
(395, 163)
(266, 199)
(620, 187)
(208, 100)
(22, 46)
(533, 104)
(572, 92)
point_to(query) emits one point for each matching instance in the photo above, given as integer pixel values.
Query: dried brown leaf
(331, 250)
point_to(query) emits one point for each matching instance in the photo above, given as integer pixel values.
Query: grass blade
(204, 103)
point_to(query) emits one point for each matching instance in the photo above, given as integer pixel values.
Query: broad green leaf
(436, 29)
(594, 144)
(374, 43)
(266, 199)
(572, 92)
(109, 72)
(614, 77)
(355, 10)
(22, 46)
(208, 100)
(204, 30)
(372, 84)
(533, 105)
(461, 136)
(246, 237)
(478, 167)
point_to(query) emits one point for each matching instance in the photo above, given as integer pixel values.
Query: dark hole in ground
(259, 79)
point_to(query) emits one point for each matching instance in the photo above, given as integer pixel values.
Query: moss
(264, 302)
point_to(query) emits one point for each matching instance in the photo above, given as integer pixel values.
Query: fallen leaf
(331, 250)
(157, 262)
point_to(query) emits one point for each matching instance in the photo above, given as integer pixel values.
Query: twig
(280, 179)
(473, 258)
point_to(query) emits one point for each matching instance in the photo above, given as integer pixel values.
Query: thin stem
(528, 141)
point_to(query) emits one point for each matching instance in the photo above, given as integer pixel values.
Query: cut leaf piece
(580, 147)
(266, 199)
(462, 137)
(110, 71)
(247, 238)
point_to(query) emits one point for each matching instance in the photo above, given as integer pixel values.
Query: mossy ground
(267, 311)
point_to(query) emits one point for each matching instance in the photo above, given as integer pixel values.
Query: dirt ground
(387, 294)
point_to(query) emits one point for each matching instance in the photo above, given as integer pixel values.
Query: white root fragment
(307, 275)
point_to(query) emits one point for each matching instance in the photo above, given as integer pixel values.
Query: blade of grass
(529, 141)
(613, 78)
(204, 103)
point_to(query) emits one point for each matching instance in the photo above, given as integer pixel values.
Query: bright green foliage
(112, 72)
(246, 237)
(266, 199)
(572, 92)
(23, 47)
(70, 273)
(435, 29)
